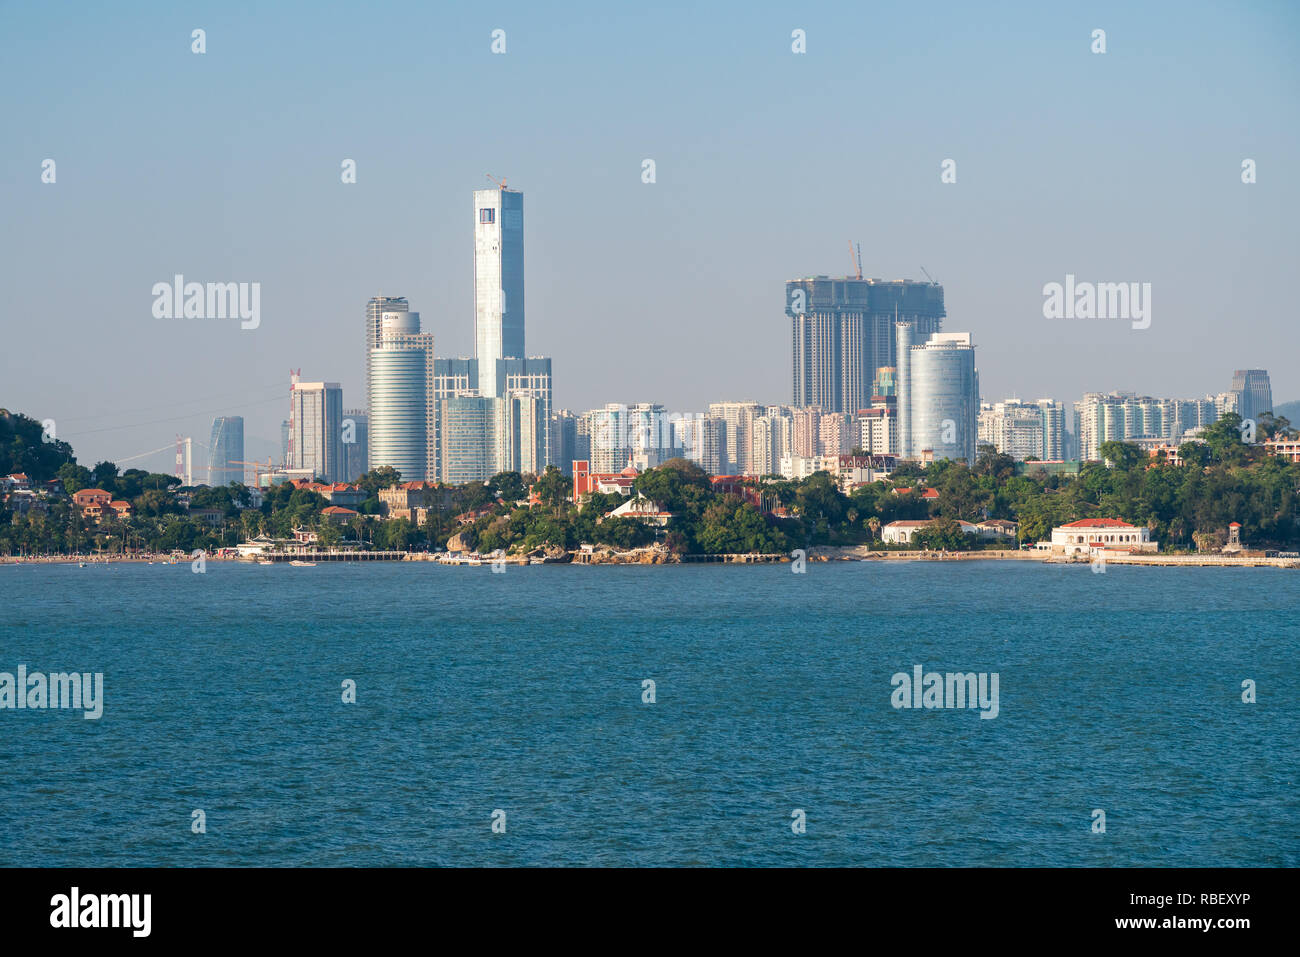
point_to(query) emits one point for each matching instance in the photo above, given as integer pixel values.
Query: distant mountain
(1289, 410)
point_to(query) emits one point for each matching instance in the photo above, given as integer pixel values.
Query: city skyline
(681, 260)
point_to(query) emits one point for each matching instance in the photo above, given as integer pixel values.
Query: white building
(900, 533)
(498, 282)
(1081, 537)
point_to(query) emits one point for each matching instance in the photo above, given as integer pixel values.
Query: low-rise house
(92, 502)
(901, 532)
(995, 529)
(122, 507)
(641, 509)
(928, 494)
(338, 514)
(16, 482)
(209, 516)
(398, 500)
(24, 502)
(1289, 449)
(1081, 537)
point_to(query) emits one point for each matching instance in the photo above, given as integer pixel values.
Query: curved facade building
(226, 450)
(398, 410)
(943, 397)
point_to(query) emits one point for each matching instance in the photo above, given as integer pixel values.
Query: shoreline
(650, 556)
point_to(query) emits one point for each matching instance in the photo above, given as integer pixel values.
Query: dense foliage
(1220, 480)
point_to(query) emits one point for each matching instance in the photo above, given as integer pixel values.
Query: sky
(225, 166)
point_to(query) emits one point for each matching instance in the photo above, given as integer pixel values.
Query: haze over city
(1122, 167)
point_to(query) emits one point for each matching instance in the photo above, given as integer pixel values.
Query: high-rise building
(564, 440)
(529, 381)
(878, 429)
(1255, 390)
(1021, 429)
(468, 440)
(356, 441)
(284, 443)
(1052, 414)
(316, 439)
(940, 391)
(843, 332)
(836, 434)
(498, 282)
(375, 310)
(399, 408)
(703, 440)
(394, 410)
(739, 417)
(225, 448)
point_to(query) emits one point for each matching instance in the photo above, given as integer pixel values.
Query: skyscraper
(843, 331)
(399, 412)
(375, 310)
(316, 440)
(1255, 390)
(403, 355)
(226, 447)
(940, 392)
(498, 282)
(356, 442)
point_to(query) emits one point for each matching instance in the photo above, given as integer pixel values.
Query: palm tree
(873, 524)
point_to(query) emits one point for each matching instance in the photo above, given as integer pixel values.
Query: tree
(553, 488)
(74, 477)
(1122, 455)
(509, 486)
(104, 475)
(943, 534)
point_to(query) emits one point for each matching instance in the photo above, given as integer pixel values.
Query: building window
(487, 216)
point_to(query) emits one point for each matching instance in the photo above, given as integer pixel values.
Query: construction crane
(858, 260)
(501, 183)
(929, 277)
(258, 469)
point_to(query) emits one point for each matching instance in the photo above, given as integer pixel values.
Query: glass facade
(498, 282)
(398, 426)
(226, 446)
(943, 397)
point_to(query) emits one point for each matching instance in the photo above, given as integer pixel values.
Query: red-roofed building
(338, 514)
(929, 494)
(585, 481)
(1083, 536)
(92, 502)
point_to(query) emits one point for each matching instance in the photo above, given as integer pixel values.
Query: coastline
(659, 556)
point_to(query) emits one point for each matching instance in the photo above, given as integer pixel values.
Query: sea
(413, 714)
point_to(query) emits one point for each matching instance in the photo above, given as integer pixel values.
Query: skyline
(689, 268)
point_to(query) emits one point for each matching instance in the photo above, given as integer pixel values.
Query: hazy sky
(1124, 166)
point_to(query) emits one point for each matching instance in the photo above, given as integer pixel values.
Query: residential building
(842, 332)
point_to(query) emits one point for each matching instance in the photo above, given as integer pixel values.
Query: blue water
(523, 692)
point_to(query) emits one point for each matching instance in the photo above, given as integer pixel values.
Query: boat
(81, 565)
(303, 564)
(265, 562)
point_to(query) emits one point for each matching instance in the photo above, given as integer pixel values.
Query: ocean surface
(522, 692)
